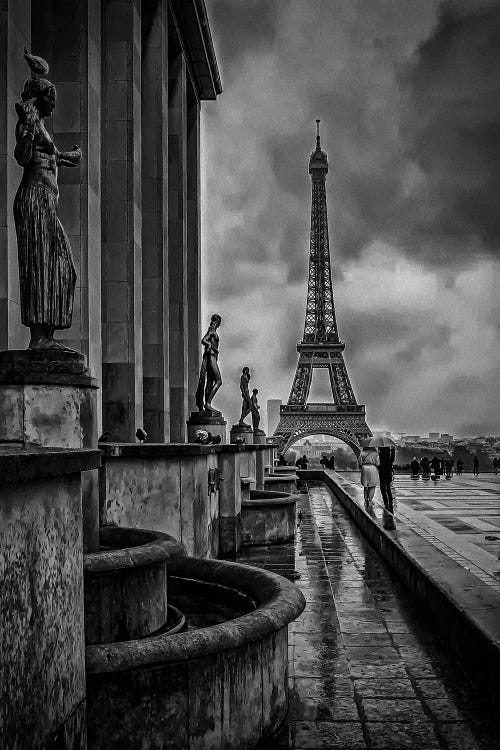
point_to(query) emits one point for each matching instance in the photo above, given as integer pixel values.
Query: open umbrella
(379, 442)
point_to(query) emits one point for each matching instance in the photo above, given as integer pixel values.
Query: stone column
(260, 468)
(68, 35)
(177, 241)
(154, 96)
(193, 244)
(122, 220)
(230, 502)
(15, 33)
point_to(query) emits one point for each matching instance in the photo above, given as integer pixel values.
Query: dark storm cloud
(408, 94)
(452, 133)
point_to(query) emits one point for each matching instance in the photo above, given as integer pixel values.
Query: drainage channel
(366, 670)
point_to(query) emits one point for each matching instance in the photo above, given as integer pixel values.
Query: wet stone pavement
(366, 671)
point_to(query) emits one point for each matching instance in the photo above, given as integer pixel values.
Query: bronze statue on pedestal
(255, 410)
(246, 406)
(46, 272)
(210, 378)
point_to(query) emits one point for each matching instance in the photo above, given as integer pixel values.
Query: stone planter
(268, 518)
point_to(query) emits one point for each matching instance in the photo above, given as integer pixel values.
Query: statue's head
(255, 391)
(246, 371)
(37, 87)
(215, 320)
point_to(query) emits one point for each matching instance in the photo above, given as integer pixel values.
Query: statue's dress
(46, 270)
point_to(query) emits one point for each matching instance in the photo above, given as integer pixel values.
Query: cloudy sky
(409, 98)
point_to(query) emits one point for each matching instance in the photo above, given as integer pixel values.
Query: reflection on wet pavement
(365, 669)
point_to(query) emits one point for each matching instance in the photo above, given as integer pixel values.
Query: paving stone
(459, 737)
(367, 655)
(384, 688)
(407, 736)
(443, 709)
(383, 709)
(329, 735)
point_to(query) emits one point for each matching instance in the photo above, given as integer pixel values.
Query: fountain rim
(269, 498)
(278, 600)
(156, 548)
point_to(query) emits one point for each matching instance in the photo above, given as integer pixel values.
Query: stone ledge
(26, 465)
(150, 450)
(237, 448)
(174, 450)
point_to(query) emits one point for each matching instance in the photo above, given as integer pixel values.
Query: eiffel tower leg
(301, 382)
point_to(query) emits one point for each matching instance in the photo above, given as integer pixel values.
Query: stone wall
(163, 488)
(42, 685)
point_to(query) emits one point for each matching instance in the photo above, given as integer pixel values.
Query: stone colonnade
(130, 76)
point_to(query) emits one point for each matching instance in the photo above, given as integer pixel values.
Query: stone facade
(41, 598)
(130, 78)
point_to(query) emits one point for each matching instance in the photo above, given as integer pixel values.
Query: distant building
(434, 436)
(412, 438)
(273, 414)
(445, 437)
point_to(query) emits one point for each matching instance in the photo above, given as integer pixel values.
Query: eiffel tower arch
(321, 347)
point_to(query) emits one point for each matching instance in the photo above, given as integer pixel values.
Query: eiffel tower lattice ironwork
(321, 347)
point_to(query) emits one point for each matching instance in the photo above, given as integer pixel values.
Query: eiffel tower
(321, 347)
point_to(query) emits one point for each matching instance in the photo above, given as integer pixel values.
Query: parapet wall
(190, 491)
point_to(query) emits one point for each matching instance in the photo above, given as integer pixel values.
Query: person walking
(475, 463)
(460, 466)
(448, 468)
(368, 463)
(385, 471)
(495, 466)
(414, 468)
(436, 467)
(425, 464)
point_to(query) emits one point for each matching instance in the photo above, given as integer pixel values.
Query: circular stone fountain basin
(223, 685)
(268, 517)
(126, 585)
(281, 483)
(280, 470)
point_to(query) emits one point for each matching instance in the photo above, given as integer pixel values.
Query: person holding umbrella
(368, 463)
(386, 456)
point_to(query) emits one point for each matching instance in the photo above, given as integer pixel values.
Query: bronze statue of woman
(210, 378)
(46, 272)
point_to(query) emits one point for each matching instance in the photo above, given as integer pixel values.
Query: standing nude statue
(255, 410)
(210, 378)
(246, 406)
(46, 272)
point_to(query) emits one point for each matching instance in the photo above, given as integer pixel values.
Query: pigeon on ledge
(141, 435)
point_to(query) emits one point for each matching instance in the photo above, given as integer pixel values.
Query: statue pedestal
(213, 422)
(241, 431)
(259, 437)
(48, 399)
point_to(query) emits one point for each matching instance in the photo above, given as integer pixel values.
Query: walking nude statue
(210, 378)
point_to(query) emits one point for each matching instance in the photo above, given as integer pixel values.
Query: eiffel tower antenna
(321, 347)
